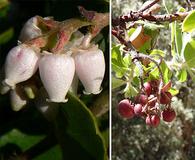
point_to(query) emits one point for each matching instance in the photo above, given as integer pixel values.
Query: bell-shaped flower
(21, 63)
(90, 68)
(30, 30)
(57, 72)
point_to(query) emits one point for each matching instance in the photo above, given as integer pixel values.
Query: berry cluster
(149, 104)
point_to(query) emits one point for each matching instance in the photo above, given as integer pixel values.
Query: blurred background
(27, 132)
(132, 139)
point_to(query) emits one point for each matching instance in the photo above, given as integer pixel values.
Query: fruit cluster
(58, 63)
(149, 104)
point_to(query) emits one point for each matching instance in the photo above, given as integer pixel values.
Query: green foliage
(189, 23)
(120, 64)
(6, 36)
(76, 125)
(189, 54)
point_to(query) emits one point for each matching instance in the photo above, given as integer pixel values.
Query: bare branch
(135, 16)
(149, 5)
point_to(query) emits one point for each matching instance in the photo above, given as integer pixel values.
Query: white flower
(21, 63)
(30, 30)
(90, 68)
(56, 72)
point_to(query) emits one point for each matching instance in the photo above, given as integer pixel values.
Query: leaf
(117, 82)
(78, 132)
(189, 54)
(188, 24)
(6, 36)
(50, 154)
(158, 52)
(173, 91)
(182, 75)
(120, 65)
(130, 91)
(178, 38)
(22, 140)
(173, 28)
(166, 72)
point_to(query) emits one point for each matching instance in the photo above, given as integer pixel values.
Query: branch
(149, 5)
(143, 56)
(135, 16)
(121, 39)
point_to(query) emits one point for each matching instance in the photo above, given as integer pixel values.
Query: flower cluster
(58, 66)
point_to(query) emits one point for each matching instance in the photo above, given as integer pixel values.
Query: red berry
(147, 88)
(141, 99)
(153, 120)
(168, 115)
(125, 109)
(138, 109)
(165, 97)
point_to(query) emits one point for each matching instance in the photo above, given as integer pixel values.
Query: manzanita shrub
(150, 75)
(46, 68)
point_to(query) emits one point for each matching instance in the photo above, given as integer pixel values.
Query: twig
(135, 16)
(121, 39)
(149, 5)
(141, 56)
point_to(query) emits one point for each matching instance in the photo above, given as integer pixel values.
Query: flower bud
(56, 72)
(17, 98)
(21, 63)
(30, 30)
(90, 68)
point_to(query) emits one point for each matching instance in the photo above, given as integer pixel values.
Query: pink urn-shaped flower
(56, 72)
(90, 68)
(21, 63)
(30, 30)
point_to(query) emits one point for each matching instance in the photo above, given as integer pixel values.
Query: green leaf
(78, 132)
(117, 82)
(178, 38)
(173, 48)
(189, 54)
(6, 36)
(130, 32)
(166, 72)
(50, 154)
(173, 91)
(130, 91)
(22, 140)
(189, 22)
(158, 52)
(182, 75)
(117, 57)
(120, 65)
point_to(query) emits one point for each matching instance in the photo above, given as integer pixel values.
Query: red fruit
(143, 99)
(153, 120)
(165, 97)
(138, 109)
(168, 115)
(125, 109)
(147, 88)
